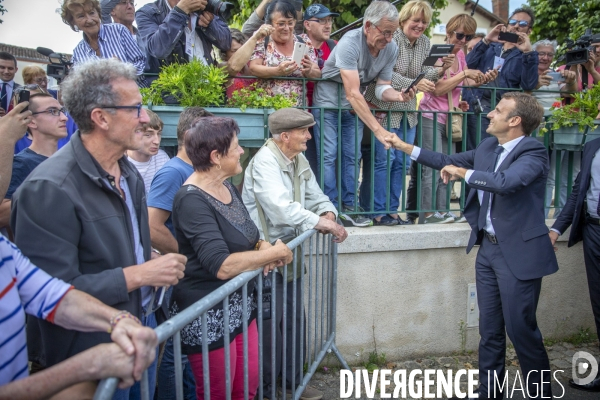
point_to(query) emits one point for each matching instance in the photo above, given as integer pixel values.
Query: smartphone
(299, 52)
(23, 96)
(415, 82)
(556, 76)
(158, 295)
(436, 52)
(508, 37)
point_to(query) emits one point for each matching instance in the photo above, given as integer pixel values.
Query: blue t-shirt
(165, 185)
(23, 164)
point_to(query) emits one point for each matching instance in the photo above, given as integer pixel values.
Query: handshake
(448, 173)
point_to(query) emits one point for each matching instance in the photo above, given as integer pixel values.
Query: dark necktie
(3, 97)
(483, 208)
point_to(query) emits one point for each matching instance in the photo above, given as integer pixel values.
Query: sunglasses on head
(522, 24)
(461, 36)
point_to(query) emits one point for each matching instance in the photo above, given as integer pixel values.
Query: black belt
(593, 221)
(491, 238)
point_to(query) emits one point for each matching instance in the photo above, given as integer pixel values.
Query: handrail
(179, 321)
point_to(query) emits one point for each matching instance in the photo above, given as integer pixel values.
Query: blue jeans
(327, 135)
(134, 392)
(166, 375)
(399, 162)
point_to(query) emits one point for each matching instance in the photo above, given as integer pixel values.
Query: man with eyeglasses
(318, 23)
(8, 69)
(48, 125)
(82, 216)
(177, 31)
(362, 55)
(517, 64)
(122, 12)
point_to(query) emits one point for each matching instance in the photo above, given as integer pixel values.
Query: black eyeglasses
(322, 21)
(386, 35)
(461, 36)
(522, 24)
(136, 107)
(53, 111)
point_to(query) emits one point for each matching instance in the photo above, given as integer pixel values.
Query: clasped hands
(285, 255)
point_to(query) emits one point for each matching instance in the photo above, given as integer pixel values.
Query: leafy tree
(2, 10)
(560, 19)
(349, 10)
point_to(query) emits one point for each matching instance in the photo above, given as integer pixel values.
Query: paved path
(328, 380)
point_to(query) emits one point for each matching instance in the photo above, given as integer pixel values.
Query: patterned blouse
(208, 231)
(272, 58)
(408, 66)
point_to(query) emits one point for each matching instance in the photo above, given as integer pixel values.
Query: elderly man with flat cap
(284, 199)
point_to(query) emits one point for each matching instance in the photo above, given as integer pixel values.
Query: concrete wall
(410, 282)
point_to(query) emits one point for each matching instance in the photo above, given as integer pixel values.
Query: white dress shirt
(508, 147)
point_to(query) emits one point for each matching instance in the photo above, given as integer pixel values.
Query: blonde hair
(416, 7)
(465, 20)
(30, 72)
(66, 10)
(155, 121)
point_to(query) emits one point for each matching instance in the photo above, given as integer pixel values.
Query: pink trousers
(216, 359)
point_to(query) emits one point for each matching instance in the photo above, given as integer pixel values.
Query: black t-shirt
(207, 232)
(23, 163)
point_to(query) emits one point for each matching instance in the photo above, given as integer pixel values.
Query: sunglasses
(522, 24)
(461, 36)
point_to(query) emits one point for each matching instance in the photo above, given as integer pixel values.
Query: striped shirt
(23, 289)
(148, 169)
(409, 65)
(114, 41)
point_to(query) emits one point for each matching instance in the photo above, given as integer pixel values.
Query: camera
(59, 64)
(220, 8)
(579, 50)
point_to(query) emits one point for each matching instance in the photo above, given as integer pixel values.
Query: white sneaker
(438, 218)
(456, 218)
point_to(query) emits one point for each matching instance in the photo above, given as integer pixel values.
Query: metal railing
(365, 184)
(315, 254)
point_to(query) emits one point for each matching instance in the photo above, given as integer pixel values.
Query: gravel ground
(327, 380)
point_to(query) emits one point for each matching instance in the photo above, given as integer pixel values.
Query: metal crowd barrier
(314, 253)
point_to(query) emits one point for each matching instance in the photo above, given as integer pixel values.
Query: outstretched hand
(452, 173)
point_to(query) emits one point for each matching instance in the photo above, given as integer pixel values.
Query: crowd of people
(109, 222)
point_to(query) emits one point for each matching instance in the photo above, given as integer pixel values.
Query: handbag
(454, 129)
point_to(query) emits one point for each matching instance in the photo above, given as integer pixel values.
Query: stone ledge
(411, 237)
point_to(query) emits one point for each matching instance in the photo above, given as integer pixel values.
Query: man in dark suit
(582, 212)
(8, 69)
(506, 212)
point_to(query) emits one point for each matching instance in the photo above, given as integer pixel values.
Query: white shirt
(508, 147)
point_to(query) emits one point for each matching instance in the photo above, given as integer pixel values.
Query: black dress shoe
(593, 386)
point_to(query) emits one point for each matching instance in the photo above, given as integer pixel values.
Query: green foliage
(349, 10)
(559, 19)
(2, 10)
(375, 361)
(254, 97)
(191, 84)
(583, 110)
(581, 337)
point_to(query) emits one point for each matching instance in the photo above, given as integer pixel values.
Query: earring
(219, 167)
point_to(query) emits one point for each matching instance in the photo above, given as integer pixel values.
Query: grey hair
(89, 86)
(545, 42)
(379, 10)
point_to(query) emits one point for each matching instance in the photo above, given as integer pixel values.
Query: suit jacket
(574, 210)
(10, 103)
(517, 212)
